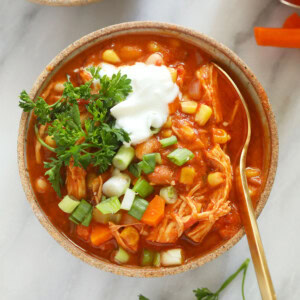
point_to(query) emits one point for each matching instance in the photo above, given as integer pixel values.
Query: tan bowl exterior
(222, 55)
(64, 2)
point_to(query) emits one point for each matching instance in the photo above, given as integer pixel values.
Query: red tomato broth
(191, 58)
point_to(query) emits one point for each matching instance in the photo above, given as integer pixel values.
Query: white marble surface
(32, 265)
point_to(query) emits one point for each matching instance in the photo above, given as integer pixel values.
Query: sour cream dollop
(147, 105)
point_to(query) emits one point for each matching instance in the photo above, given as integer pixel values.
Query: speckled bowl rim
(64, 2)
(164, 28)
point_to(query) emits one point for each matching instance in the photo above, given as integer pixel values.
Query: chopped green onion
(168, 141)
(109, 206)
(180, 156)
(145, 167)
(73, 220)
(128, 199)
(122, 256)
(87, 220)
(169, 194)
(158, 158)
(81, 211)
(123, 157)
(68, 204)
(116, 185)
(135, 170)
(99, 217)
(143, 188)
(150, 159)
(138, 208)
(147, 258)
(156, 259)
(155, 130)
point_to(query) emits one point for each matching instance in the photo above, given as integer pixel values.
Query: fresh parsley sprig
(99, 141)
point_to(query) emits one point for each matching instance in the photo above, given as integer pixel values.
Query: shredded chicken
(115, 230)
(185, 216)
(219, 204)
(38, 146)
(75, 181)
(97, 189)
(208, 78)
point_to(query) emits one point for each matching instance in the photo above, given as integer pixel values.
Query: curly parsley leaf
(99, 140)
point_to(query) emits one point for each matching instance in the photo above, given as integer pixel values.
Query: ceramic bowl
(243, 77)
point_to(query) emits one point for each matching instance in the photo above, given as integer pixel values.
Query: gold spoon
(247, 212)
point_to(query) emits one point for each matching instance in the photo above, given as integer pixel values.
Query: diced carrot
(277, 37)
(293, 21)
(83, 232)
(155, 211)
(100, 234)
(131, 237)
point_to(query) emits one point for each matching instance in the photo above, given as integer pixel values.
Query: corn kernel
(215, 179)
(168, 124)
(252, 172)
(187, 175)
(153, 46)
(173, 73)
(187, 131)
(166, 133)
(189, 107)
(203, 114)
(111, 56)
(220, 136)
(50, 141)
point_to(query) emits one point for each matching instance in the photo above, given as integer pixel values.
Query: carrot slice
(277, 37)
(100, 234)
(293, 21)
(155, 211)
(83, 231)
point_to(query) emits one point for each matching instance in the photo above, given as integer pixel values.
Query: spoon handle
(255, 244)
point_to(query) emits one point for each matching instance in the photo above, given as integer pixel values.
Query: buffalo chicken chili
(132, 149)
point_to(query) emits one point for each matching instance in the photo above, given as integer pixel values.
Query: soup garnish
(132, 147)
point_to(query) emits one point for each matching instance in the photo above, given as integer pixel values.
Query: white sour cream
(147, 105)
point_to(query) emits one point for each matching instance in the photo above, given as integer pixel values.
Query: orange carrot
(83, 231)
(277, 37)
(293, 21)
(154, 212)
(100, 234)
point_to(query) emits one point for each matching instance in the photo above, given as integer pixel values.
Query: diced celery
(109, 206)
(68, 204)
(147, 257)
(156, 259)
(122, 256)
